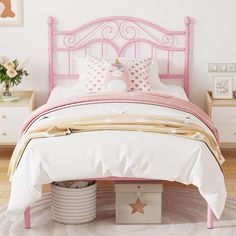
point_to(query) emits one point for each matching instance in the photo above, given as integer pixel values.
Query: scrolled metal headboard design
(119, 33)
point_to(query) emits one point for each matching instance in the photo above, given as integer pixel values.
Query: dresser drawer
(15, 115)
(9, 133)
(227, 133)
(224, 115)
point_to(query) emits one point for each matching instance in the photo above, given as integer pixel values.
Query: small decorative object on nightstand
(13, 114)
(11, 74)
(223, 114)
(223, 87)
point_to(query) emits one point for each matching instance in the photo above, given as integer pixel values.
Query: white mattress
(62, 92)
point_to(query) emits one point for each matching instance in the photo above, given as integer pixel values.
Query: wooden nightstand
(223, 114)
(13, 114)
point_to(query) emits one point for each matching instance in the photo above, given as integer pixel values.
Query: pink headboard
(120, 34)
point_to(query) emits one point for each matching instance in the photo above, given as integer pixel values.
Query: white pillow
(82, 65)
(154, 75)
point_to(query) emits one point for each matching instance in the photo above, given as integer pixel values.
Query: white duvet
(117, 153)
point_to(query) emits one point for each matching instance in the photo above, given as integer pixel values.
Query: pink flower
(11, 73)
(9, 65)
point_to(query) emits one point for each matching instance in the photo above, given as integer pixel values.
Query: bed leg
(27, 218)
(210, 218)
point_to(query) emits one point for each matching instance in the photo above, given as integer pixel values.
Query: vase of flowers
(7, 91)
(11, 74)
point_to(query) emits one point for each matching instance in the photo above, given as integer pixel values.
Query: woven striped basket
(73, 206)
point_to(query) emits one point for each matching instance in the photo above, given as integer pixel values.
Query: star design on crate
(138, 206)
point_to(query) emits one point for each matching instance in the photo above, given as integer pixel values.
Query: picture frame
(223, 87)
(11, 13)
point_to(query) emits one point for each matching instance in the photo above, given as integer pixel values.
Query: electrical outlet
(222, 67)
(231, 67)
(212, 67)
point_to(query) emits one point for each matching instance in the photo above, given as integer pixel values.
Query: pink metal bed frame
(105, 32)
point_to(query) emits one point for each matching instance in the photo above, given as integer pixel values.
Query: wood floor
(229, 168)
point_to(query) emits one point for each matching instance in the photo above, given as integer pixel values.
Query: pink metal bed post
(27, 218)
(50, 79)
(50, 52)
(187, 22)
(210, 218)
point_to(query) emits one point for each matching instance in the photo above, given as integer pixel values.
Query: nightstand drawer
(15, 115)
(9, 133)
(227, 133)
(224, 115)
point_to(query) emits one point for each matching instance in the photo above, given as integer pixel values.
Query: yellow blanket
(144, 123)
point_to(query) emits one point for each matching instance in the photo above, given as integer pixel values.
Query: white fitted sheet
(62, 92)
(117, 153)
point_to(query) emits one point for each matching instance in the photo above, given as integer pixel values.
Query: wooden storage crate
(138, 203)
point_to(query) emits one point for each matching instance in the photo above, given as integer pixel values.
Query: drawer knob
(4, 134)
(4, 116)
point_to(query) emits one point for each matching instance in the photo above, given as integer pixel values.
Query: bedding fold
(145, 123)
(151, 98)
